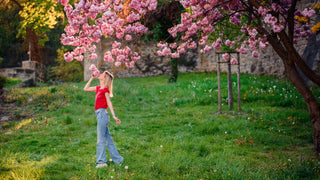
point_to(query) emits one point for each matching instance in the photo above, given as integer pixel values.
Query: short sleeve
(106, 90)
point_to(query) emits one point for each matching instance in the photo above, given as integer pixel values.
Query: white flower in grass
(126, 167)
(110, 160)
(226, 132)
(112, 169)
(161, 146)
(111, 177)
(289, 160)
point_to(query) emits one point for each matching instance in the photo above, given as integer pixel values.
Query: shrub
(3, 81)
(66, 71)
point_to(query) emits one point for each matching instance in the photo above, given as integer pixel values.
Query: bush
(66, 71)
(3, 81)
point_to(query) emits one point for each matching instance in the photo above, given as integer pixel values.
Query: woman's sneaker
(101, 165)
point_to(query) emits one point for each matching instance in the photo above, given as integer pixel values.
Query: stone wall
(150, 63)
(29, 70)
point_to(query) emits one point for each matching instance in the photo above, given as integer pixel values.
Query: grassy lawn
(168, 131)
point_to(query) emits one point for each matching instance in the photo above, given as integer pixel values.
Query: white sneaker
(101, 165)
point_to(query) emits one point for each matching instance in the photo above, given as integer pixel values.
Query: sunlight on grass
(22, 123)
(19, 166)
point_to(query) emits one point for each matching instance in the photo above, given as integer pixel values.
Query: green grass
(168, 131)
(12, 82)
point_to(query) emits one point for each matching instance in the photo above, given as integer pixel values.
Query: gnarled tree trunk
(35, 49)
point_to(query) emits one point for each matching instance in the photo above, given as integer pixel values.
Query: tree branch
(290, 20)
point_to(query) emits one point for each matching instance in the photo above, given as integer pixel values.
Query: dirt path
(9, 111)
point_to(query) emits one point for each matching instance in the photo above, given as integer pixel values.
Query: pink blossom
(93, 56)
(160, 53)
(278, 27)
(133, 17)
(68, 57)
(252, 32)
(234, 61)
(166, 51)
(226, 56)
(128, 37)
(130, 65)
(228, 42)
(308, 12)
(116, 44)
(95, 71)
(173, 31)
(175, 55)
(242, 50)
(263, 45)
(206, 49)
(255, 54)
(192, 45)
(262, 11)
(119, 34)
(79, 58)
(118, 8)
(92, 48)
(108, 57)
(64, 2)
(107, 29)
(162, 45)
(70, 30)
(117, 63)
(173, 45)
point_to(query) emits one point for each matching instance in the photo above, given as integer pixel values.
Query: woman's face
(102, 76)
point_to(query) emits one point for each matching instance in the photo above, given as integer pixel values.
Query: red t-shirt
(101, 101)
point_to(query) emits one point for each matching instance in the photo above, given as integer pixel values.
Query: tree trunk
(174, 70)
(289, 57)
(35, 49)
(313, 105)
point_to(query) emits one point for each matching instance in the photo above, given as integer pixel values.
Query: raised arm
(111, 108)
(87, 86)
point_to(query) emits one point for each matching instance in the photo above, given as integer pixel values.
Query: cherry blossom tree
(276, 23)
(90, 20)
(262, 23)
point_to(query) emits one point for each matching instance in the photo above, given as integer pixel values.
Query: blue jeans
(104, 138)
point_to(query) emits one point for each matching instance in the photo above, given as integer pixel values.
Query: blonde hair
(108, 81)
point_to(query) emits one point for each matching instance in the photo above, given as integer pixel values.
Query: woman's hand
(117, 120)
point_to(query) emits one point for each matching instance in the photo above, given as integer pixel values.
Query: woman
(102, 102)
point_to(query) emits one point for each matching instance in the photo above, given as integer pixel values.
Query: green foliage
(167, 131)
(3, 81)
(41, 16)
(160, 20)
(66, 71)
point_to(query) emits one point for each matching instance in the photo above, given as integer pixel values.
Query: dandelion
(110, 160)
(289, 160)
(112, 169)
(132, 174)
(226, 132)
(111, 177)
(126, 167)
(161, 146)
